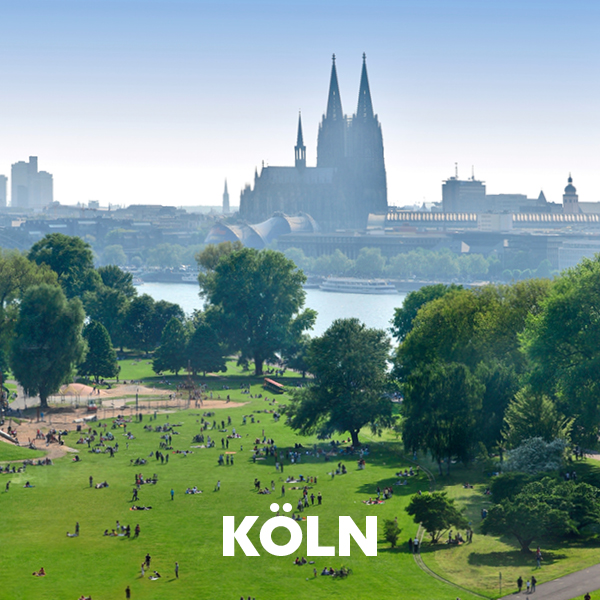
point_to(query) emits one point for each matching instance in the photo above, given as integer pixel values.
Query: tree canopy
(48, 342)
(437, 513)
(257, 296)
(171, 354)
(349, 365)
(101, 358)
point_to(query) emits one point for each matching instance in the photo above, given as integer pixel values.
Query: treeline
(429, 265)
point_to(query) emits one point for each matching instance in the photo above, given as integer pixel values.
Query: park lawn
(189, 529)
(9, 451)
(477, 566)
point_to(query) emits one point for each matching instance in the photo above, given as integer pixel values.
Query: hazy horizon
(155, 102)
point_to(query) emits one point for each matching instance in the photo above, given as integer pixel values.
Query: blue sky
(148, 101)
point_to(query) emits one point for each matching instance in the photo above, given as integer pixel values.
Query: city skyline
(153, 102)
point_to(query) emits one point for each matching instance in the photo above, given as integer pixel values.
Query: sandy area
(64, 417)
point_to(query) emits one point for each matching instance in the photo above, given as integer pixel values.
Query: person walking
(533, 582)
(148, 559)
(77, 528)
(91, 481)
(177, 570)
(528, 586)
(218, 488)
(127, 592)
(520, 583)
(416, 545)
(172, 493)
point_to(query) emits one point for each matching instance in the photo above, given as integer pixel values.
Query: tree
(115, 278)
(369, 262)
(536, 456)
(534, 415)
(439, 410)
(70, 258)
(402, 323)
(257, 295)
(436, 513)
(561, 341)
(205, 351)
(48, 342)
(165, 255)
(209, 258)
(544, 509)
(349, 365)
(109, 307)
(163, 312)
(138, 324)
(114, 255)
(171, 354)
(391, 532)
(101, 358)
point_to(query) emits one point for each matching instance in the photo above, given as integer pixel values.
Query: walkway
(575, 585)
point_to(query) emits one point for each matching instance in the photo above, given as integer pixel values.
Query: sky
(157, 102)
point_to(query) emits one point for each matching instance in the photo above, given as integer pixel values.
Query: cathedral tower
(332, 130)
(226, 200)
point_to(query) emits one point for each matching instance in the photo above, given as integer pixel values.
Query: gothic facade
(349, 181)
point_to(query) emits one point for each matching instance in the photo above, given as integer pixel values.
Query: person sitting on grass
(40, 573)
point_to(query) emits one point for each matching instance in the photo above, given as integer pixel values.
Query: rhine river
(373, 310)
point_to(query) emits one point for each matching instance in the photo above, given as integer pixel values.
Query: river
(373, 310)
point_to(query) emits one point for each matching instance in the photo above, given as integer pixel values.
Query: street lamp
(136, 401)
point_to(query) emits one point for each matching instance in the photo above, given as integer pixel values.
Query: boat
(137, 281)
(190, 278)
(351, 285)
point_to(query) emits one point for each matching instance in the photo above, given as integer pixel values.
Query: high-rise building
(3, 180)
(349, 181)
(463, 196)
(30, 188)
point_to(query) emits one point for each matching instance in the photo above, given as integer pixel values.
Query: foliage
(101, 358)
(369, 262)
(114, 255)
(534, 415)
(109, 307)
(209, 258)
(404, 316)
(171, 354)
(71, 259)
(205, 350)
(536, 456)
(167, 256)
(349, 364)
(436, 513)
(115, 278)
(257, 296)
(508, 485)
(562, 345)
(138, 324)
(391, 532)
(439, 411)
(48, 341)
(544, 509)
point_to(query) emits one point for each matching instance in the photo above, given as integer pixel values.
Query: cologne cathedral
(349, 181)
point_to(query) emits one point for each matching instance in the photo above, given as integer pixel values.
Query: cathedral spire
(365, 106)
(225, 200)
(300, 149)
(334, 102)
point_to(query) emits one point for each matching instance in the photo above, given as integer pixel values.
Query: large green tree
(48, 341)
(349, 365)
(436, 513)
(115, 278)
(258, 296)
(205, 349)
(108, 306)
(561, 342)
(101, 358)
(71, 259)
(171, 354)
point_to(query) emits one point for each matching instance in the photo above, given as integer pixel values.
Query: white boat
(137, 281)
(351, 285)
(190, 278)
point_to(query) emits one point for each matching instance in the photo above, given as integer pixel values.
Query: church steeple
(300, 148)
(225, 200)
(334, 101)
(331, 139)
(365, 105)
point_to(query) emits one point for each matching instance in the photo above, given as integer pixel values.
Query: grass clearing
(9, 452)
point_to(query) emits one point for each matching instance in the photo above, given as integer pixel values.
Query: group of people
(530, 584)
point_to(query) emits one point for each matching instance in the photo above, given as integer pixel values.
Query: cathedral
(349, 181)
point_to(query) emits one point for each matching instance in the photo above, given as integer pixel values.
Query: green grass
(10, 452)
(477, 566)
(189, 529)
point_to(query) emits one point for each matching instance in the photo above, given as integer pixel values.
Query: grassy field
(10, 452)
(189, 528)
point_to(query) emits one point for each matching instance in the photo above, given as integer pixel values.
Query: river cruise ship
(351, 285)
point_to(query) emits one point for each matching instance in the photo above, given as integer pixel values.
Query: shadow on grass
(511, 558)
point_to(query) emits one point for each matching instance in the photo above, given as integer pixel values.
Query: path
(575, 585)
